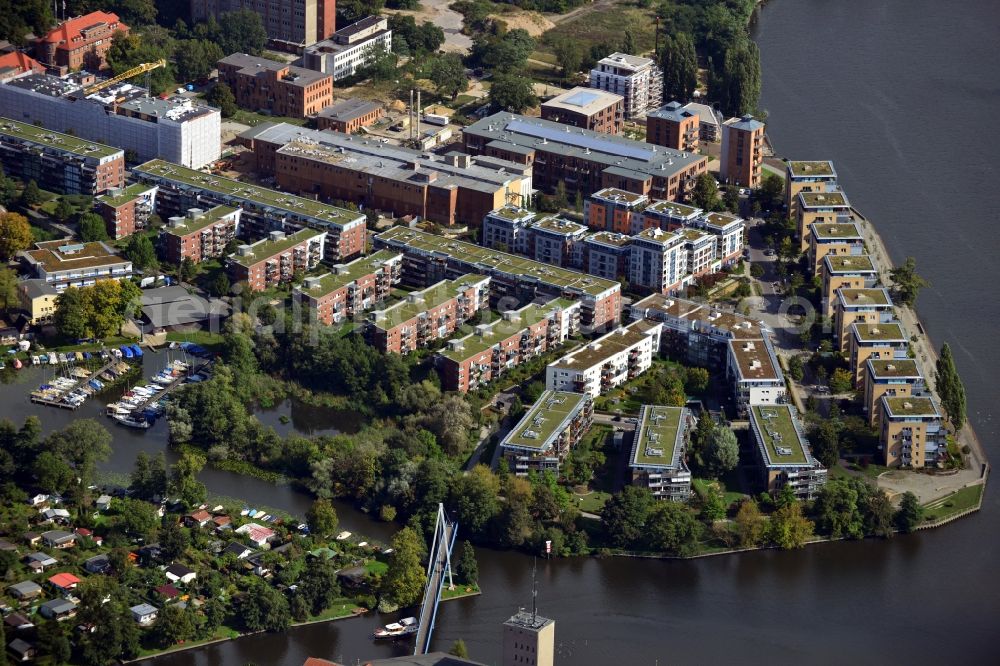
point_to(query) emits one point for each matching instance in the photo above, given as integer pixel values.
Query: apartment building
(350, 49)
(611, 209)
(862, 306)
(636, 79)
(447, 189)
(606, 254)
(885, 342)
(429, 258)
(350, 289)
(276, 259)
(37, 299)
(836, 239)
(16, 63)
(126, 210)
(783, 452)
(699, 248)
(274, 87)
(893, 378)
(588, 109)
(59, 162)
(607, 362)
(673, 126)
(201, 234)
(817, 176)
(507, 229)
(665, 215)
(820, 208)
(349, 115)
(290, 24)
(264, 210)
(657, 261)
(122, 115)
(582, 160)
(65, 263)
(546, 434)
(742, 154)
(496, 347)
(912, 434)
(755, 372)
(557, 241)
(434, 313)
(656, 461)
(729, 232)
(81, 42)
(845, 272)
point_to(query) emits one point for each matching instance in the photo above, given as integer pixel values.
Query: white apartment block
(349, 49)
(657, 261)
(636, 79)
(606, 362)
(754, 371)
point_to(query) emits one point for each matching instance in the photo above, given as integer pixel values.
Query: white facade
(658, 260)
(636, 79)
(607, 362)
(753, 368)
(348, 50)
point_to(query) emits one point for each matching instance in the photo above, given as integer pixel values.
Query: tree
(219, 285)
(264, 608)
(221, 96)
(187, 270)
(31, 195)
(569, 54)
(63, 210)
(705, 193)
(696, 380)
(672, 528)
(877, 513)
(52, 473)
(950, 388)
(196, 58)
(796, 369)
(403, 583)
(836, 510)
(82, 444)
(474, 500)
(137, 518)
(458, 649)
(173, 625)
(53, 641)
(140, 251)
(467, 568)
(8, 289)
(737, 86)
(909, 514)
(840, 380)
(513, 93)
(92, 228)
(826, 443)
(98, 310)
(241, 31)
(15, 235)
(750, 524)
(679, 62)
(788, 528)
(906, 282)
(321, 518)
(625, 516)
(184, 482)
(448, 75)
(174, 540)
(722, 452)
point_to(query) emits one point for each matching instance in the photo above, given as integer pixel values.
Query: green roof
(501, 329)
(672, 208)
(433, 296)
(911, 406)
(348, 273)
(610, 238)
(878, 332)
(486, 260)
(605, 347)
(558, 225)
(512, 213)
(823, 199)
(211, 216)
(806, 169)
(548, 417)
(262, 196)
(264, 249)
(836, 231)
(57, 140)
(660, 437)
(124, 196)
(849, 263)
(616, 194)
(864, 297)
(776, 429)
(889, 368)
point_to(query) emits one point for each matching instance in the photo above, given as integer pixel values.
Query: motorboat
(405, 627)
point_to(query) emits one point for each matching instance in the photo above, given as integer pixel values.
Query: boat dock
(56, 397)
(134, 410)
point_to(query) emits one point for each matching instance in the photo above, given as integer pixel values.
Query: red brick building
(260, 84)
(587, 108)
(17, 63)
(431, 314)
(200, 234)
(126, 210)
(349, 115)
(81, 42)
(351, 288)
(673, 126)
(276, 259)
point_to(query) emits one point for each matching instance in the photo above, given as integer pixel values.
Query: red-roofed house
(64, 582)
(197, 519)
(259, 534)
(17, 63)
(81, 42)
(168, 591)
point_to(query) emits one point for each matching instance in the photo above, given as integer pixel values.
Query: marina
(79, 383)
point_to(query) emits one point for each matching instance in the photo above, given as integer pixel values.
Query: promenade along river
(902, 95)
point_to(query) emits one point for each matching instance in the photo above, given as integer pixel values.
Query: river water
(902, 95)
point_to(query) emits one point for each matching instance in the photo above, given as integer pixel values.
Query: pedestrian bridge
(438, 569)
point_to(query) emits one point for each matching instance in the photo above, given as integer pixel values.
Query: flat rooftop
(56, 140)
(513, 214)
(834, 231)
(834, 199)
(550, 415)
(692, 235)
(609, 238)
(262, 197)
(858, 298)
(558, 225)
(347, 273)
(619, 59)
(658, 236)
(207, 218)
(493, 260)
(581, 99)
(720, 220)
(848, 263)
(120, 197)
(421, 301)
(659, 439)
(67, 255)
(702, 316)
(487, 335)
(894, 368)
(756, 360)
(812, 169)
(911, 406)
(251, 65)
(673, 209)
(267, 248)
(604, 347)
(619, 196)
(348, 109)
(889, 332)
(779, 435)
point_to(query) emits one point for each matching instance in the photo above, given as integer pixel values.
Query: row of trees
(97, 311)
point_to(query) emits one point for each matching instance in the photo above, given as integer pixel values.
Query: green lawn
(221, 633)
(729, 496)
(591, 28)
(592, 502)
(459, 591)
(376, 567)
(63, 345)
(957, 502)
(253, 119)
(206, 339)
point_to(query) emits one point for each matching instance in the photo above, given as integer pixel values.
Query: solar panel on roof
(582, 98)
(580, 140)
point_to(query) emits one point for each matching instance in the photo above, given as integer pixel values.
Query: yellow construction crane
(144, 68)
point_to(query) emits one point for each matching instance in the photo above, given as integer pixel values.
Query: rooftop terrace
(847, 263)
(191, 225)
(835, 199)
(123, 196)
(893, 368)
(604, 347)
(617, 195)
(836, 231)
(659, 438)
(864, 297)
(672, 208)
(779, 435)
(609, 238)
(490, 334)
(807, 169)
(56, 140)
(347, 273)
(911, 406)
(549, 416)
(558, 225)
(418, 302)
(67, 255)
(513, 213)
(889, 332)
(266, 248)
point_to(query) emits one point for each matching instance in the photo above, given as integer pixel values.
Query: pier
(58, 400)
